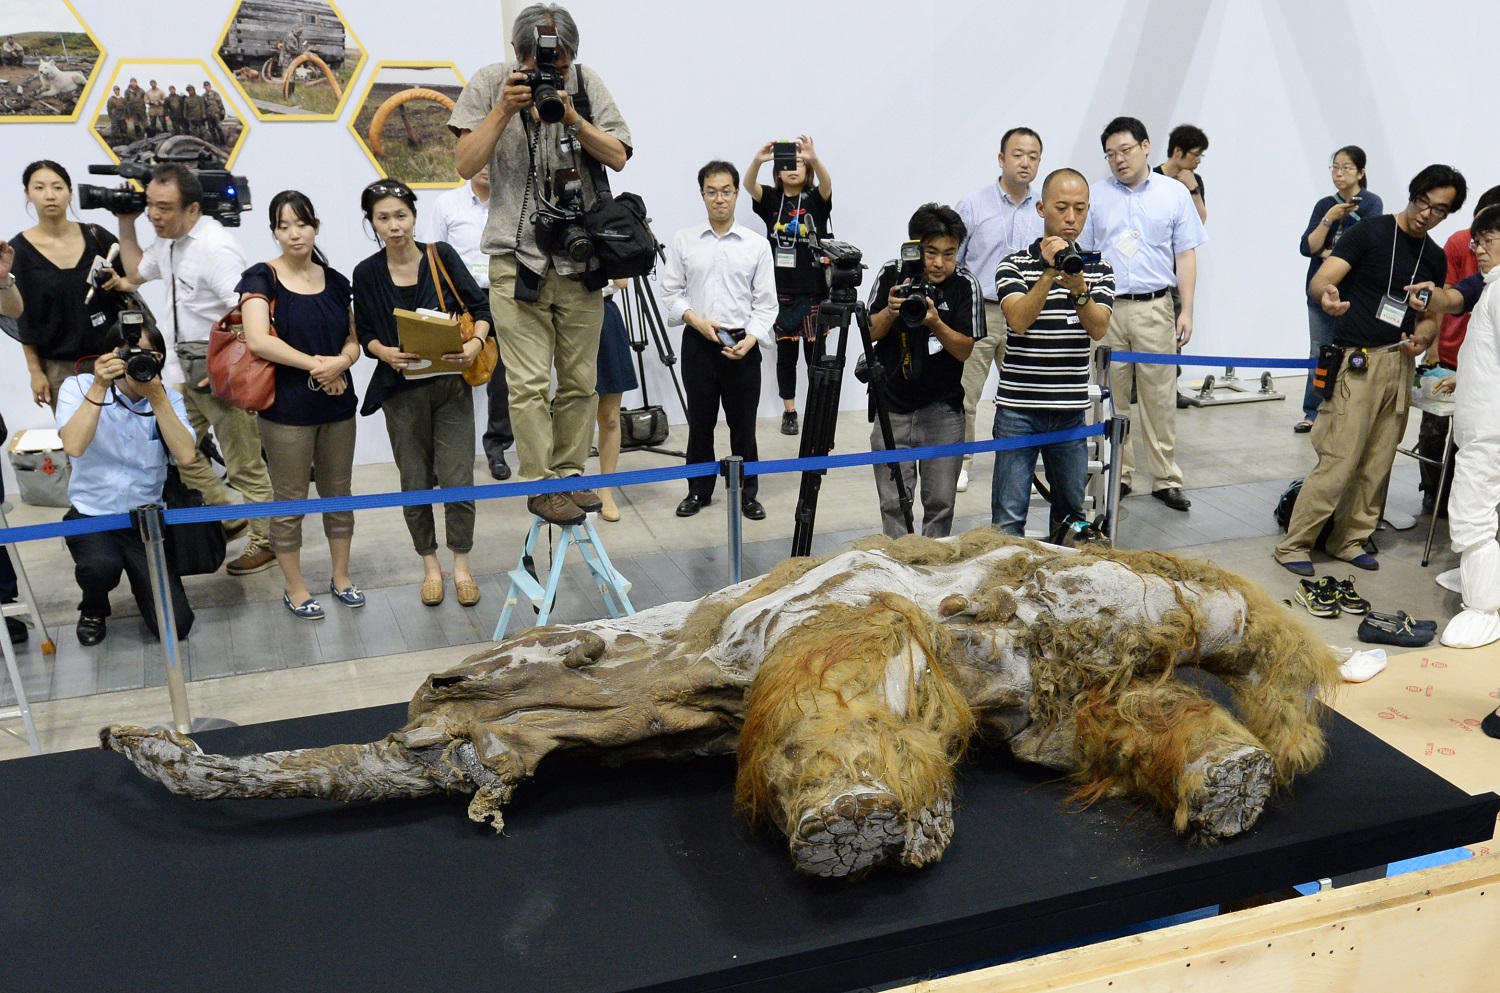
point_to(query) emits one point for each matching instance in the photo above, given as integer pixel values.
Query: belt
(1394, 346)
(1154, 295)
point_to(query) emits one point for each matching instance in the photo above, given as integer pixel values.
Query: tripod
(640, 322)
(824, 381)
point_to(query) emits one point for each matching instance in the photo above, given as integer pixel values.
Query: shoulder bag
(235, 374)
(483, 367)
(618, 226)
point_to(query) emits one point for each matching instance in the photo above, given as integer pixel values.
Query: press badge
(481, 272)
(1129, 244)
(1391, 311)
(786, 257)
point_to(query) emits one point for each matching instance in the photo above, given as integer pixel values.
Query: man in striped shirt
(1051, 319)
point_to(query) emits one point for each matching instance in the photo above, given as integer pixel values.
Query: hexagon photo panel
(48, 61)
(193, 121)
(291, 60)
(402, 122)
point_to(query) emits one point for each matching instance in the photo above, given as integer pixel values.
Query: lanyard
(786, 224)
(1391, 276)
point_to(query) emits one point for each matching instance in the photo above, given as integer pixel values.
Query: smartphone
(1424, 296)
(725, 338)
(785, 155)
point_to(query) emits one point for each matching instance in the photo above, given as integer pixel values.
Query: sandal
(432, 592)
(468, 592)
(308, 610)
(350, 596)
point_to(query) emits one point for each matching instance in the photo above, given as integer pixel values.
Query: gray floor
(1237, 460)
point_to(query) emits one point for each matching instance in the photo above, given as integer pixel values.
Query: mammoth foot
(1230, 792)
(864, 826)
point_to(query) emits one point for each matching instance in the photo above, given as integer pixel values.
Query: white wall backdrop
(907, 102)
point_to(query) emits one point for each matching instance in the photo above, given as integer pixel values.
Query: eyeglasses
(1490, 243)
(719, 194)
(1343, 167)
(1439, 210)
(1122, 152)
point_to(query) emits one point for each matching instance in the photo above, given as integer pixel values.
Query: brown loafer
(468, 592)
(432, 592)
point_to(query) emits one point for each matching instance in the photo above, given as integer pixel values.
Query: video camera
(225, 196)
(546, 79)
(842, 266)
(1071, 261)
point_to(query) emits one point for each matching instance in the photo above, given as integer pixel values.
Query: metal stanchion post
(734, 475)
(1119, 428)
(148, 522)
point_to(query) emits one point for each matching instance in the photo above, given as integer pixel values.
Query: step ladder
(24, 608)
(613, 587)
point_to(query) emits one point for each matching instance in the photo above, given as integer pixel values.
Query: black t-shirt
(315, 324)
(960, 306)
(1382, 260)
(56, 321)
(1202, 187)
(789, 221)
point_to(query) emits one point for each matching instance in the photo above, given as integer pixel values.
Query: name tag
(481, 272)
(1391, 311)
(1073, 318)
(1128, 244)
(786, 258)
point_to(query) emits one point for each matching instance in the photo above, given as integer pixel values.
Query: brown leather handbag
(234, 372)
(483, 367)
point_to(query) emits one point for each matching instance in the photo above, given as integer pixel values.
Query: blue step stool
(613, 587)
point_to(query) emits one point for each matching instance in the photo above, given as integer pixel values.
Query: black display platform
(637, 878)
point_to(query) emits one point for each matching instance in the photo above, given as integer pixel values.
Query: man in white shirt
(201, 264)
(719, 282)
(458, 217)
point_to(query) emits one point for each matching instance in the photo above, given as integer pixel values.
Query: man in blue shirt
(1001, 218)
(1147, 228)
(119, 432)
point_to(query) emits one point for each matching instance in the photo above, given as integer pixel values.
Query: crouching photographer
(546, 127)
(119, 426)
(926, 312)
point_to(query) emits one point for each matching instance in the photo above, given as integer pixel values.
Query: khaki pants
(1147, 326)
(560, 329)
(294, 452)
(1355, 436)
(238, 434)
(989, 350)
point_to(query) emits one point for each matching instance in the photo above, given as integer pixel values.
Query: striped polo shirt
(1048, 366)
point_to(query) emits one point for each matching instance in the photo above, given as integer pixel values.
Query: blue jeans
(1320, 331)
(1066, 462)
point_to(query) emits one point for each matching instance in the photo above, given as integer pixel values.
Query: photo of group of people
(167, 109)
(47, 60)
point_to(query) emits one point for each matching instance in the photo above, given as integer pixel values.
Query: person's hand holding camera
(1075, 284)
(515, 95)
(763, 154)
(805, 147)
(896, 295)
(108, 368)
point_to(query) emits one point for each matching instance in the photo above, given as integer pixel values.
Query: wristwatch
(1083, 299)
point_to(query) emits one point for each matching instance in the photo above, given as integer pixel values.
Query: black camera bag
(197, 549)
(624, 245)
(644, 427)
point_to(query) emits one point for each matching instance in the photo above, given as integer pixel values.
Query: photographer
(201, 264)
(118, 427)
(1056, 303)
(924, 325)
(508, 117)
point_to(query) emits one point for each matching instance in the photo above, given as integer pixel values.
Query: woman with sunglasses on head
(309, 428)
(44, 284)
(430, 418)
(1331, 219)
(795, 211)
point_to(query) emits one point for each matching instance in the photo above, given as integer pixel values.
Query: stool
(25, 606)
(613, 587)
(1445, 464)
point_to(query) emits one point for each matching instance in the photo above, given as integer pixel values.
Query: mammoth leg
(1166, 742)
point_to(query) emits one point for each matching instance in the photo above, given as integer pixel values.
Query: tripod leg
(824, 381)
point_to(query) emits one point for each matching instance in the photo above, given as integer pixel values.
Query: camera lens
(914, 309)
(549, 106)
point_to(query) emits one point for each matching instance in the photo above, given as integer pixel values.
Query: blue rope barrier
(1227, 361)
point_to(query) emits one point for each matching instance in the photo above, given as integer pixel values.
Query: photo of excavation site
(291, 59)
(402, 123)
(47, 61)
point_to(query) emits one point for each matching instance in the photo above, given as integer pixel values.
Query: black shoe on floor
(753, 510)
(1124, 489)
(691, 504)
(1343, 593)
(1491, 724)
(789, 422)
(499, 469)
(1182, 402)
(90, 630)
(1401, 635)
(1172, 497)
(17, 629)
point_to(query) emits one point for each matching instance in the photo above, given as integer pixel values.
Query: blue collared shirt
(125, 466)
(1141, 231)
(998, 226)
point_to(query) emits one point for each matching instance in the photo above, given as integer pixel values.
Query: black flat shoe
(16, 628)
(753, 510)
(691, 504)
(1172, 497)
(1124, 489)
(499, 468)
(90, 630)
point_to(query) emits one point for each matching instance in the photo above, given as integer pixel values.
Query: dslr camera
(914, 294)
(559, 223)
(545, 80)
(225, 197)
(141, 364)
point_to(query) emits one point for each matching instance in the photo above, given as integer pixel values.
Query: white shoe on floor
(1472, 629)
(1362, 666)
(1451, 580)
(963, 480)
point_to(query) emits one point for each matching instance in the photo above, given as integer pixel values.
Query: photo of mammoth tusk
(384, 111)
(291, 69)
(850, 687)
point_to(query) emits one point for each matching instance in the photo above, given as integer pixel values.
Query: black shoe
(1491, 724)
(1318, 598)
(691, 504)
(1172, 497)
(17, 629)
(752, 509)
(1402, 635)
(1124, 489)
(1342, 593)
(1402, 617)
(789, 422)
(1182, 402)
(499, 469)
(90, 630)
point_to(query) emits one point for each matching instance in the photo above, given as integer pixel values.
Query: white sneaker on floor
(1452, 580)
(963, 480)
(1472, 629)
(1362, 666)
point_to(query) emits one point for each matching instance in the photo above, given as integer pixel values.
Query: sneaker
(1345, 596)
(789, 422)
(1361, 667)
(555, 508)
(1318, 598)
(587, 501)
(255, 558)
(963, 480)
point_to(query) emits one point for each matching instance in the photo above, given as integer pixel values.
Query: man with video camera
(1057, 301)
(545, 126)
(201, 264)
(926, 311)
(119, 426)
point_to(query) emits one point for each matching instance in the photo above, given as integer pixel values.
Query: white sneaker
(963, 480)
(1361, 666)
(1452, 580)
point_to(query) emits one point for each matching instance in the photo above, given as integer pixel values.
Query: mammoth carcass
(850, 687)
